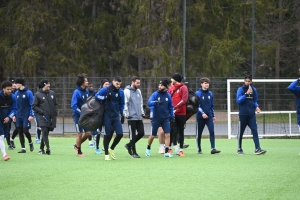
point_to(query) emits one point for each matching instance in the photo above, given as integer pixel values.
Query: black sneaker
(22, 151)
(12, 144)
(135, 155)
(214, 151)
(10, 147)
(31, 146)
(128, 147)
(41, 151)
(48, 151)
(260, 152)
(185, 146)
(240, 152)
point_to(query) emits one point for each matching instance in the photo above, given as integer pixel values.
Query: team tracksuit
(295, 89)
(79, 97)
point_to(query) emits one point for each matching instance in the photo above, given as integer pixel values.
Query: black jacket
(45, 105)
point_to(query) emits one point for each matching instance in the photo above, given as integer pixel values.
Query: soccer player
(7, 111)
(113, 97)
(45, 106)
(247, 97)
(163, 113)
(15, 132)
(24, 114)
(93, 133)
(79, 97)
(179, 94)
(206, 115)
(134, 113)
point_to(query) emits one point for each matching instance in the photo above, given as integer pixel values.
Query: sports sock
(148, 147)
(79, 150)
(166, 149)
(2, 145)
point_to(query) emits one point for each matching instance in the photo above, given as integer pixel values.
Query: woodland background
(104, 38)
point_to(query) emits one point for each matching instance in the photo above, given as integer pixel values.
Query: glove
(46, 119)
(159, 102)
(108, 96)
(129, 117)
(122, 119)
(172, 120)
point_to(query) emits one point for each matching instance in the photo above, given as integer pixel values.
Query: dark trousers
(133, 127)
(178, 128)
(200, 126)
(249, 121)
(45, 138)
(24, 131)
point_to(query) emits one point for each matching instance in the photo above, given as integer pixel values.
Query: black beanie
(43, 83)
(164, 83)
(102, 82)
(177, 77)
(12, 80)
(20, 81)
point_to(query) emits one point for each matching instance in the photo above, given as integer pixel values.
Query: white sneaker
(106, 157)
(176, 149)
(161, 150)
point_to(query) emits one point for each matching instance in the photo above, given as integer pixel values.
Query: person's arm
(142, 109)
(74, 102)
(151, 101)
(185, 97)
(240, 96)
(212, 104)
(171, 107)
(255, 97)
(121, 102)
(13, 107)
(198, 93)
(294, 88)
(30, 97)
(126, 101)
(35, 106)
(101, 94)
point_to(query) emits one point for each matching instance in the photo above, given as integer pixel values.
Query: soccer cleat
(75, 147)
(97, 151)
(38, 141)
(148, 152)
(260, 152)
(240, 152)
(214, 151)
(168, 155)
(91, 145)
(181, 153)
(12, 143)
(161, 150)
(177, 150)
(48, 151)
(80, 155)
(31, 146)
(111, 153)
(106, 157)
(128, 147)
(10, 147)
(22, 151)
(185, 146)
(6, 157)
(135, 155)
(41, 151)
(199, 152)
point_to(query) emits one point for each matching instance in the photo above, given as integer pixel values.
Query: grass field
(63, 175)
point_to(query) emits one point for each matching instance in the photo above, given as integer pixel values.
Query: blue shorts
(114, 123)
(23, 122)
(78, 128)
(164, 123)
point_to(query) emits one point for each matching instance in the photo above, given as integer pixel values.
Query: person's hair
(80, 79)
(248, 76)
(204, 79)
(117, 79)
(102, 82)
(6, 84)
(134, 78)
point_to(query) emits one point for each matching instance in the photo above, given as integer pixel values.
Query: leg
(119, 132)
(200, 126)
(253, 127)
(180, 122)
(45, 135)
(242, 123)
(155, 125)
(161, 139)
(21, 136)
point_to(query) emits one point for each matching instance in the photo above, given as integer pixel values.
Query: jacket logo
(43, 97)
(17, 96)
(82, 97)
(208, 97)
(167, 99)
(202, 97)
(23, 96)
(117, 95)
(52, 97)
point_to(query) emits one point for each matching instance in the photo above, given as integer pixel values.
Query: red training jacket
(179, 98)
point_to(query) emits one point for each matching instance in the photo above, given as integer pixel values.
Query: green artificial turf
(63, 175)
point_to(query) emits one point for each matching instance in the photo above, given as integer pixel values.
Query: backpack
(193, 103)
(91, 114)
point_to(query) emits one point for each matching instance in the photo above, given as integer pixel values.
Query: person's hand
(108, 96)
(204, 116)
(172, 120)
(6, 120)
(257, 110)
(14, 119)
(30, 118)
(249, 90)
(122, 119)
(159, 102)
(214, 119)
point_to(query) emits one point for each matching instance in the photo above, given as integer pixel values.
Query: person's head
(13, 81)
(82, 80)
(135, 82)
(90, 87)
(104, 83)
(6, 87)
(20, 82)
(117, 82)
(248, 79)
(44, 84)
(204, 83)
(163, 85)
(176, 78)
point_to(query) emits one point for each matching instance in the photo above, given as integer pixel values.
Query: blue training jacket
(295, 89)
(246, 106)
(24, 103)
(206, 103)
(79, 97)
(7, 110)
(114, 105)
(164, 110)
